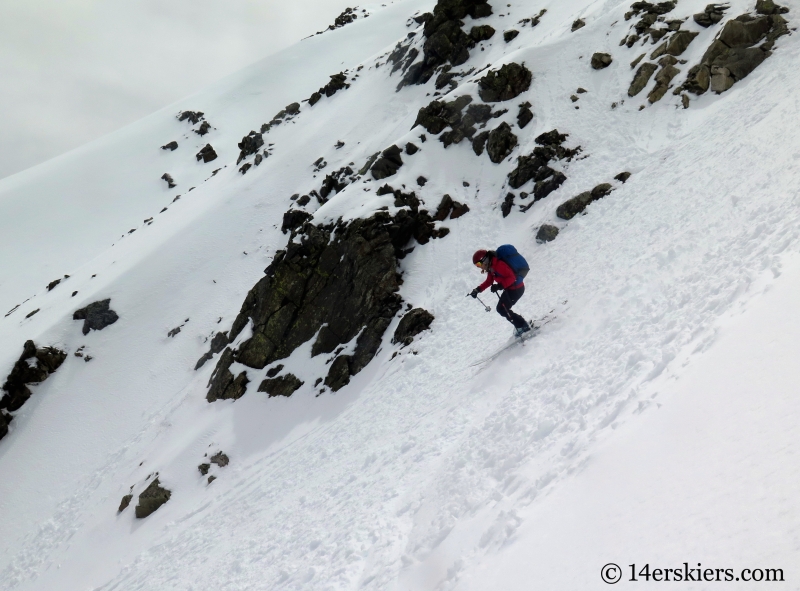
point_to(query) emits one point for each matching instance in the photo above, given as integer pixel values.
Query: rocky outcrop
(535, 167)
(204, 128)
(206, 154)
(414, 322)
(739, 48)
(218, 343)
(96, 316)
(286, 114)
(334, 284)
(285, 385)
(33, 367)
(194, 117)
(445, 40)
(525, 115)
(546, 233)
(388, 164)
(510, 35)
(250, 144)
(151, 499)
(337, 83)
(601, 60)
(648, 24)
(641, 78)
(449, 207)
(712, 14)
(294, 219)
(500, 143)
(569, 209)
(504, 84)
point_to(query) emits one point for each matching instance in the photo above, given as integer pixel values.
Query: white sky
(73, 70)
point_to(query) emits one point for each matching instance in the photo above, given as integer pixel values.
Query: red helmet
(479, 256)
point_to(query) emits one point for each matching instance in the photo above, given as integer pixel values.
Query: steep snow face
(425, 471)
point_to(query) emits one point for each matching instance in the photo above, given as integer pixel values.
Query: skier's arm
(486, 283)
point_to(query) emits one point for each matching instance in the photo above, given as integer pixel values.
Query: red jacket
(502, 273)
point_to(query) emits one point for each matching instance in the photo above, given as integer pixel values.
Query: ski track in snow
(419, 467)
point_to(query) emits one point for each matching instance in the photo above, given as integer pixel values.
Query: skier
(508, 279)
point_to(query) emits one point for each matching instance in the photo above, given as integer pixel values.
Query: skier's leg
(507, 300)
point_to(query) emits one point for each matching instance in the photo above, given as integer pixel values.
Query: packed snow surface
(653, 420)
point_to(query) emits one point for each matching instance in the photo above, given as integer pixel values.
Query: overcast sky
(73, 70)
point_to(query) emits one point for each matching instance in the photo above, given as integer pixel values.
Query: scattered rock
(250, 144)
(448, 206)
(96, 316)
(546, 233)
(500, 143)
(170, 181)
(411, 149)
(578, 24)
(712, 14)
(218, 343)
(172, 146)
(413, 323)
(601, 60)
(510, 35)
(123, 504)
(33, 367)
(525, 115)
(421, 180)
(285, 385)
(286, 114)
(337, 83)
(204, 128)
(52, 285)
(504, 84)
(663, 78)
(220, 459)
(569, 209)
(204, 468)
(151, 499)
(388, 164)
(481, 33)
(535, 167)
(207, 154)
(194, 117)
(29, 314)
(174, 332)
(508, 203)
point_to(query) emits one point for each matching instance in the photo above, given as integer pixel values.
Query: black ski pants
(507, 300)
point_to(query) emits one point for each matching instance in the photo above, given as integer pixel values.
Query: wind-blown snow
(424, 472)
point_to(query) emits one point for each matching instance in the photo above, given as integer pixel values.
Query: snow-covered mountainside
(239, 353)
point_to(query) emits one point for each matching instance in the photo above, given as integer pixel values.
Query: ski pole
(485, 307)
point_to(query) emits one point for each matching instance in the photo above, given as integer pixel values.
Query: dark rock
(737, 33)
(204, 128)
(421, 180)
(622, 177)
(678, 43)
(52, 285)
(123, 504)
(204, 468)
(569, 209)
(245, 167)
(29, 314)
(641, 78)
(303, 201)
(207, 154)
(96, 316)
(438, 115)
(601, 60)
(501, 142)
(250, 144)
(459, 209)
(525, 115)
(172, 146)
(449, 207)
(34, 366)
(339, 374)
(663, 78)
(218, 343)
(578, 24)
(283, 386)
(479, 142)
(220, 459)
(336, 83)
(194, 117)
(174, 332)
(510, 35)
(223, 386)
(151, 499)
(388, 164)
(543, 188)
(411, 149)
(712, 14)
(314, 98)
(481, 33)
(546, 233)
(698, 79)
(170, 181)
(5, 420)
(335, 182)
(535, 166)
(504, 84)
(508, 203)
(413, 322)
(274, 371)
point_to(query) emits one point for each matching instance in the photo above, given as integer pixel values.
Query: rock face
(501, 141)
(546, 233)
(206, 154)
(332, 284)
(282, 386)
(96, 316)
(34, 366)
(601, 60)
(388, 164)
(151, 499)
(569, 209)
(445, 40)
(641, 78)
(449, 207)
(414, 322)
(740, 47)
(504, 84)
(218, 343)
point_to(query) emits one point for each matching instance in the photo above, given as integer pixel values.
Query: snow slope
(424, 472)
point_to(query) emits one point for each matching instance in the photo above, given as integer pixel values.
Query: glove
(496, 287)
(474, 293)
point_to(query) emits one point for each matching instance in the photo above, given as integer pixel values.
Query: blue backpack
(509, 255)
